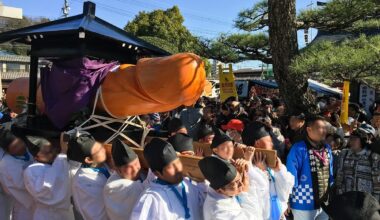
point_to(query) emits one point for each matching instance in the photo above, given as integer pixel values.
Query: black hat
(353, 205)
(181, 142)
(80, 147)
(159, 153)
(362, 135)
(122, 154)
(219, 173)
(6, 138)
(35, 143)
(205, 130)
(254, 132)
(174, 125)
(266, 101)
(220, 138)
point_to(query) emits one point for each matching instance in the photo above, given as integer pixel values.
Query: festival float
(96, 65)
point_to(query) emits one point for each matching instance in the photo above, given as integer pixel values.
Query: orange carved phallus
(153, 85)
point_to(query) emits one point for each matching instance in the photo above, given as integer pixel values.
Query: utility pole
(65, 9)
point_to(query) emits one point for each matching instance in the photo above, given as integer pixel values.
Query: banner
(242, 88)
(227, 83)
(345, 101)
(366, 96)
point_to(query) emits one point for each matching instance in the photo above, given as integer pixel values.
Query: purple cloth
(70, 85)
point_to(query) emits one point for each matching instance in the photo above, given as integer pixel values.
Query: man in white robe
(125, 185)
(5, 207)
(90, 179)
(228, 196)
(15, 160)
(47, 180)
(269, 183)
(170, 196)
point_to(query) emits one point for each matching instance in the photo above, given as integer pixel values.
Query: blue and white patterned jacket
(298, 164)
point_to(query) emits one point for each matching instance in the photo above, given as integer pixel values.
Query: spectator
(297, 128)
(358, 167)
(233, 129)
(206, 134)
(176, 126)
(191, 117)
(310, 161)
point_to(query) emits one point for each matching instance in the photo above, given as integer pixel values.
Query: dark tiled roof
(13, 75)
(15, 58)
(96, 30)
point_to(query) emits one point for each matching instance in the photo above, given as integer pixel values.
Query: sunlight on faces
(187, 152)
(17, 147)
(264, 143)
(317, 131)
(234, 188)
(295, 123)
(98, 154)
(130, 171)
(171, 173)
(225, 150)
(355, 144)
(47, 153)
(208, 139)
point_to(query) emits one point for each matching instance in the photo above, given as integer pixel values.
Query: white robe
(87, 189)
(5, 201)
(121, 195)
(159, 202)
(12, 181)
(50, 189)
(259, 180)
(221, 207)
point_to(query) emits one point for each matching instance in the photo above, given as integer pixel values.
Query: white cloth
(12, 181)
(159, 202)
(87, 190)
(221, 207)
(120, 196)
(50, 189)
(5, 201)
(317, 214)
(259, 180)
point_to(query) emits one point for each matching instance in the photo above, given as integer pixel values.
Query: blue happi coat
(298, 164)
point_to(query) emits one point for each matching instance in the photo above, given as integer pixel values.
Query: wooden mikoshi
(271, 155)
(190, 163)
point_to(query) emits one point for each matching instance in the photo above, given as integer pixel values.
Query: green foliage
(254, 18)
(350, 59)
(238, 47)
(365, 25)
(340, 14)
(207, 66)
(158, 42)
(166, 25)
(217, 50)
(12, 24)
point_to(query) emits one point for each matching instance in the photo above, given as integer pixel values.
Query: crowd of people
(324, 170)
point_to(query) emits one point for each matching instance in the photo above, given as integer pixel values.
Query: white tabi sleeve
(47, 189)
(12, 181)
(248, 210)
(91, 201)
(284, 182)
(148, 208)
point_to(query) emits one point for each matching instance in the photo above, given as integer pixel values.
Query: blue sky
(206, 18)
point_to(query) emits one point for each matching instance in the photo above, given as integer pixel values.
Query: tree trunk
(283, 44)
